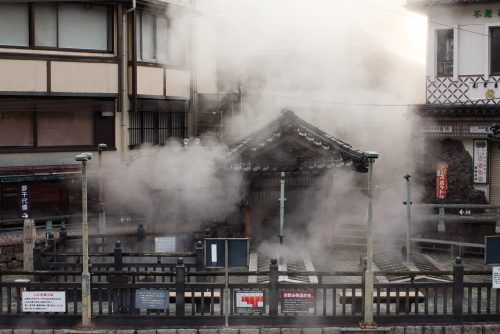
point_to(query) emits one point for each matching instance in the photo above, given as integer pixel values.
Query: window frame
(436, 48)
(141, 128)
(31, 33)
(139, 40)
(489, 52)
(34, 111)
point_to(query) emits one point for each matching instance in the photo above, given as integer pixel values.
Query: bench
(457, 248)
(392, 298)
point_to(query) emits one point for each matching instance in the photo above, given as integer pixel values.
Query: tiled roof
(432, 110)
(319, 149)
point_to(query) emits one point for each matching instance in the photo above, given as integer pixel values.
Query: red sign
(441, 180)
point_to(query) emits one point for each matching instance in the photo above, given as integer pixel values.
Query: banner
(480, 161)
(441, 180)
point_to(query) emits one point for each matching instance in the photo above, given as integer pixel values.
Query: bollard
(458, 286)
(180, 285)
(273, 288)
(141, 232)
(118, 256)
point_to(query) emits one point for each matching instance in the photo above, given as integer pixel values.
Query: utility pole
(84, 157)
(368, 307)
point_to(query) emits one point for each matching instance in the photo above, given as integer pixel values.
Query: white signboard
(480, 129)
(436, 129)
(214, 253)
(495, 277)
(44, 301)
(164, 244)
(480, 92)
(480, 161)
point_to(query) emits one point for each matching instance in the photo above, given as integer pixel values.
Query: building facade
(462, 97)
(78, 74)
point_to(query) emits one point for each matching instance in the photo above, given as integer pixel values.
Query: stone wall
(11, 257)
(461, 329)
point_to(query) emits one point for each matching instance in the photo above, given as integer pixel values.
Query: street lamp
(101, 226)
(368, 307)
(84, 158)
(408, 204)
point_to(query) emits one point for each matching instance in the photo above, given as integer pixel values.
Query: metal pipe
(368, 307)
(133, 7)
(101, 226)
(408, 217)
(282, 206)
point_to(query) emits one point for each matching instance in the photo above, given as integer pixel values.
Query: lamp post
(368, 307)
(84, 157)
(101, 226)
(408, 204)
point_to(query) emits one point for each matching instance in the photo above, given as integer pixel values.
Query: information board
(298, 301)
(249, 302)
(492, 250)
(152, 299)
(44, 301)
(215, 252)
(165, 244)
(495, 277)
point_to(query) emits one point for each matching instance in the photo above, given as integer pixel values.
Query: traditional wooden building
(304, 153)
(462, 98)
(76, 74)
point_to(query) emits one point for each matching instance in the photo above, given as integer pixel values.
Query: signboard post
(44, 301)
(298, 301)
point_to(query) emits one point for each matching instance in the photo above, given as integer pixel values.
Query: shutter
(494, 174)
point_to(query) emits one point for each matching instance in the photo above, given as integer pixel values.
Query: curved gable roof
(318, 149)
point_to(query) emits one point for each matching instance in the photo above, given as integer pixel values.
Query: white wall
(472, 49)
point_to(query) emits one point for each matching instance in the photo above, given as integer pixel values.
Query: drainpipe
(134, 57)
(122, 70)
(282, 206)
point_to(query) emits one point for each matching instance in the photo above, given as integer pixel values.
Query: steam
(174, 187)
(351, 68)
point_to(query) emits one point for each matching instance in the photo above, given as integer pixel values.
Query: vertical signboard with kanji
(25, 200)
(441, 180)
(480, 162)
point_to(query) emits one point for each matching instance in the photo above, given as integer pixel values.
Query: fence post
(441, 226)
(141, 232)
(458, 286)
(37, 256)
(118, 256)
(273, 288)
(63, 234)
(180, 286)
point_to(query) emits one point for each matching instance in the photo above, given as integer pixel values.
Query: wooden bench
(457, 248)
(392, 298)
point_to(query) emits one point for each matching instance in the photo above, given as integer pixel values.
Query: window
(81, 26)
(156, 127)
(495, 50)
(55, 123)
(151, 35)
(14, 24)
(445, 52)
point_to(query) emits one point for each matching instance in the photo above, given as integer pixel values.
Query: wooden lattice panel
(444, 90)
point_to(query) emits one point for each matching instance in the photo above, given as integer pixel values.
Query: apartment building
(76, 74)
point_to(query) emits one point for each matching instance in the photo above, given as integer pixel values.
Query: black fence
(130, 296)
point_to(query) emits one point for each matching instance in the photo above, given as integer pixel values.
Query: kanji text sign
(44, 301)
(24, 201)
(298, 301)
(249, 302)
